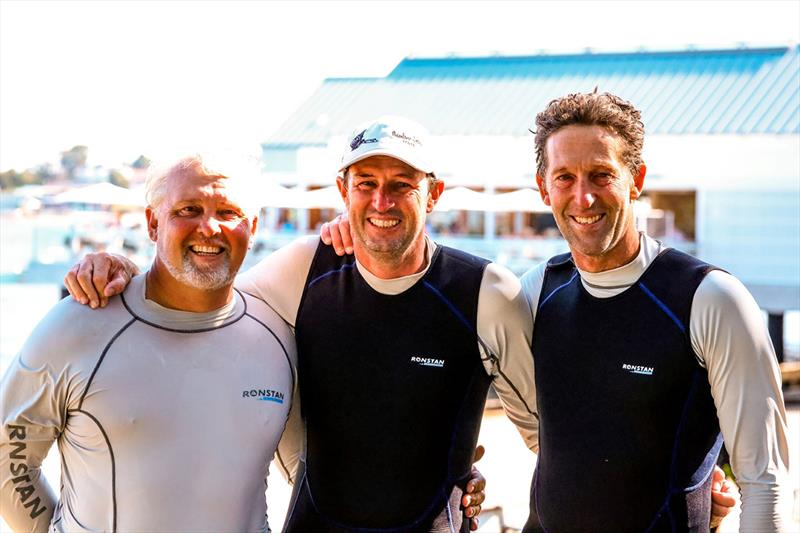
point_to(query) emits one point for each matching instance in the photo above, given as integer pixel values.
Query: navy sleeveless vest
(392, 393)
(628, 429)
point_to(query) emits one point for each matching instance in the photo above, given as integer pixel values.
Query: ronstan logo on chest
(638, 369)
(427, 361)
(264, 395)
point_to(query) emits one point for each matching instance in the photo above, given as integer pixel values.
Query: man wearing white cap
(397, 347)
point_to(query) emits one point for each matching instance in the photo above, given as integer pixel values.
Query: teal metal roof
(736, 91)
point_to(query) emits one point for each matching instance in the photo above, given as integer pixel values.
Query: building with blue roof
(722, 144)
(740, 91)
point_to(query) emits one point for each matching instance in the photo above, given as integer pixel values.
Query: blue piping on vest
(449, 304)
(575, 275)
(466, 323)
(711, 459)
(663, 307)
(326, 274)
(536, 493)
(449, 517)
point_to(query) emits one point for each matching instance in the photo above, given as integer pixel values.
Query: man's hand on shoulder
(98, 276)
(337, 234)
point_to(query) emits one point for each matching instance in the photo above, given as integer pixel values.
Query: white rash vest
(165, 420)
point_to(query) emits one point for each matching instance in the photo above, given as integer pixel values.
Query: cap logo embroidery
(359, 139)
(356, 142)
(413, 141)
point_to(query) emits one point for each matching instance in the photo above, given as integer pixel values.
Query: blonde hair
(240, 172)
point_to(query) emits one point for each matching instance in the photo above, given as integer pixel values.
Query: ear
(434, 194)
(253, 228)
(152, 223)
(342, 185)
(543, 189)
(638, 183)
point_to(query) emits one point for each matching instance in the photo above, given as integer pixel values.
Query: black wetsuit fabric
(392, 394)
(628, 428)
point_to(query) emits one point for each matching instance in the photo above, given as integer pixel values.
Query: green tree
(11, 179)
(45, 173)
(141, 162)
(74, 159)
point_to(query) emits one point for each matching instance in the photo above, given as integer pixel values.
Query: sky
(155, 77)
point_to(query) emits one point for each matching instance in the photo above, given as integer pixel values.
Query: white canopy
(101, 194)
(462, 198)
(521, 200)
(272, 195)
(325, 198)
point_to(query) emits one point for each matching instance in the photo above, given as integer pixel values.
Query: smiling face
(591, 192)
(201, 233)
(387, 202)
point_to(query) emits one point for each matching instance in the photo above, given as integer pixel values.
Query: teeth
(587, 220)
(206, 249)
(384, 223)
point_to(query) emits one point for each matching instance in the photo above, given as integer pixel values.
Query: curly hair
(618, 116)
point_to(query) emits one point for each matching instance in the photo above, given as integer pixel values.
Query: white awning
(462, 199)
(101, 194)
(521, 200)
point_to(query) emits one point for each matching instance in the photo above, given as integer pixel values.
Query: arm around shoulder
(504, 327)
(279, 278)
(99, 276)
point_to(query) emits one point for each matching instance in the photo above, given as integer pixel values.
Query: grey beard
(207, 280)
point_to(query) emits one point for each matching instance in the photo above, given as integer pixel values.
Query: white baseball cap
(392, 136)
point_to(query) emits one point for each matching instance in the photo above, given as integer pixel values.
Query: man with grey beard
(133, 392)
